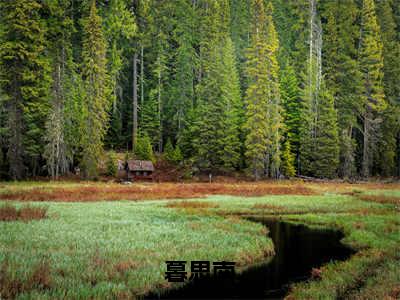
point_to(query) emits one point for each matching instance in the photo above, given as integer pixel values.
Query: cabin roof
(140, 165)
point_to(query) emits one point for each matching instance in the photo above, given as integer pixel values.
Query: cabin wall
(137, 175)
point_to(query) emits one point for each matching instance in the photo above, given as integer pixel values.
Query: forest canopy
(269, 88)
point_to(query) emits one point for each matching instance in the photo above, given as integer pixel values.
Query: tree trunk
(15, 141)
(141, 77)
(134, 106)
(15, 150)
(160, 143)
(398, 154)
(348, 153)
(366, 151)
(311, 39)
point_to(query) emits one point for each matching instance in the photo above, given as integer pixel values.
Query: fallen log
(314, 179)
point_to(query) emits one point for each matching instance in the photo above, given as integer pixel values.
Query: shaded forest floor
(117, 249)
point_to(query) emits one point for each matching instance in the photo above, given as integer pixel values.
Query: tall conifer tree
(232, 151)
(291, 103)
(59, 144)
(119, 28)
(326, 152)
(390, 129)
(371, 66)
(263, 111)
(95, 103)
(183, 64)
(342, 74)
(217, 143)
(25, 81)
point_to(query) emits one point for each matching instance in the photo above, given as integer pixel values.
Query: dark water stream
(298, 249)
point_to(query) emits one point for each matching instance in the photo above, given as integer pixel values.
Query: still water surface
(298, 249)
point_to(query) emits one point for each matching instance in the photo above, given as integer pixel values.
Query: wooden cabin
(136, 169)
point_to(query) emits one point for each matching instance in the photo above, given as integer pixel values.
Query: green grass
(372, 273)
(108, 249)
(392, 193)
(288, 204)
(369, 227)
(118, 249)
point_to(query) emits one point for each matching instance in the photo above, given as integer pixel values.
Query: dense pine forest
(267, 88)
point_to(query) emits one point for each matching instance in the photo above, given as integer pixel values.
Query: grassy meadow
(99, 245)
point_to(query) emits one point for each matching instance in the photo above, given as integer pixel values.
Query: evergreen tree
(150, 118)
(234, 113)
(301, 13)
(318, 130)
(153, 119)
(177, 154)
(169, 151)
(371, 66)
(25, 82)
(385, 155)
(180, 93)
(172, 155)
(288, 159)
(311, 86)
(68, 84)
(3, 136)
(263, 112)
(144, 150)
(326, 155)
(213, 89)
(74, 118)
(111, 164)
(291, 102)
(342, 74)
(391, 50)
(119, 29)
(190, 133)
(385, 152)
(95, 103)
(240, 32)
(58, 152)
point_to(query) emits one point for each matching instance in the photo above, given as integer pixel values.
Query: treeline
(268, 87)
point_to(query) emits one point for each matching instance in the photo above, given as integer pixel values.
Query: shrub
(172, 155)
(178, 157)
(111, 164)
(169, 151)
(288, 168)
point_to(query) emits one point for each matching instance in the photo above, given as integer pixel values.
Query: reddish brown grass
(381, 199)
(395, 293)
(359, 225)
(8, 213)
(316, 273)
(154, 191)
(125, 266)
(40, 278)
(32, 213)
(25, 213)
(11, 286)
